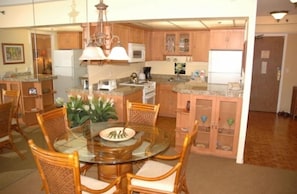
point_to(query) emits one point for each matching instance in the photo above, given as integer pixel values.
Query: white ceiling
(264, 8)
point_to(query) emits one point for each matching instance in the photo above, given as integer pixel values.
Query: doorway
(267, 65)
(41, 48)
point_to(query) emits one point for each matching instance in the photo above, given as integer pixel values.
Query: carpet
(12, 167)
(205, 174)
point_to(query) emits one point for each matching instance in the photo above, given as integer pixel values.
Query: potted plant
(77, 110)
(101, 109)
(95, 110)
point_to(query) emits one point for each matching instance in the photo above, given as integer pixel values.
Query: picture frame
(32, 91)
(13, 53)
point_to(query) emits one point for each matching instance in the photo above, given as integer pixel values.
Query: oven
(148, 91)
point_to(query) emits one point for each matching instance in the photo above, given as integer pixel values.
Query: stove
(148, 92)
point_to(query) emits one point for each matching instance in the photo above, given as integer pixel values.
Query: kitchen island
(217, 107)
(36, 94)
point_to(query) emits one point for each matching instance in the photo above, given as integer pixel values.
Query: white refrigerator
(67, 68)
(224, 66)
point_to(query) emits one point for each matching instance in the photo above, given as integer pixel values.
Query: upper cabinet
(156, 49)
(177, 43)
(200, 45)
(227, 39)
(69, 40)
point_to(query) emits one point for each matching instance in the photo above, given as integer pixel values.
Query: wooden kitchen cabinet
(177, 43)
(37, 96)
(69, 40)
(200, 45)
(167, 99)
(227, 39)
(183, 124)
(157, 46)
(215, 136)
(136, 35)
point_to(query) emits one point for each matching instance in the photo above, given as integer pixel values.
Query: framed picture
(32, 91)
(13, 53)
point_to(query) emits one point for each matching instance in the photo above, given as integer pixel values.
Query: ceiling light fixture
(278, 15)
(102, 41)
(294, 2)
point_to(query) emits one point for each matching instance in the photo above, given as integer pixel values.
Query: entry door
(268, 53)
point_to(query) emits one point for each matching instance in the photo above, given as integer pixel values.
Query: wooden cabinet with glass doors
(177, 43)
(219, 120)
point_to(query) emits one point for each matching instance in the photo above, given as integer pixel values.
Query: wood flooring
(271, 139)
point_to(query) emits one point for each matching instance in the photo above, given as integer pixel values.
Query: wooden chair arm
(115, 183)
(163, 176)
(168, 157)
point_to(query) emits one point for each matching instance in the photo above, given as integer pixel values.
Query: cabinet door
(69, 40)
(202, 110)
(227, 126)
(157, 47)
(226, 39)
(167, 99)
(136, 35)
(200, 45)
(177, 43)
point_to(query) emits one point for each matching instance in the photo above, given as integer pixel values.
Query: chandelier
(101, 41)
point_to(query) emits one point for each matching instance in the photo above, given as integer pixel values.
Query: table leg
(110, 172)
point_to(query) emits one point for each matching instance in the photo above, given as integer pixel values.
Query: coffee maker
(147, 73)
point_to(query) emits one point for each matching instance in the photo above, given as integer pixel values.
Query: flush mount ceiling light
(101, 41)
(278, 15)
(294, 2)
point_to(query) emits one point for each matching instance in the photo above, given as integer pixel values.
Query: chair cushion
(5, 138)
(153, 169)
(95, 184)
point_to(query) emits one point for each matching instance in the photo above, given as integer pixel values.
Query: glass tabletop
(113, 142)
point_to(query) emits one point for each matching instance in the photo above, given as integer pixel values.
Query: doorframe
(285, 35)
(52, 35)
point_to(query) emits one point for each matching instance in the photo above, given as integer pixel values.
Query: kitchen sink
(174, 79)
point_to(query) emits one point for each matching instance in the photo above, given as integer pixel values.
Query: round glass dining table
(114, 146)
(106, 143)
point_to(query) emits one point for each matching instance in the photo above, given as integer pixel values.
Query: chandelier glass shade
(102, 41)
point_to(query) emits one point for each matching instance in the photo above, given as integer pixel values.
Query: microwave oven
(136, 52)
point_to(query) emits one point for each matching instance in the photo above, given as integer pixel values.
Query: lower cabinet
(167, 99)
(36, 97)
(219, 123)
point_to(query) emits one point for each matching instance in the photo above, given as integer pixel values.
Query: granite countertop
(182, 85)
(119, 91)
(28, 77)
(207, 89)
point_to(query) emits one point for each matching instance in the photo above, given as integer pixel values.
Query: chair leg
(185, 187)
(17, 151)
(16, 127)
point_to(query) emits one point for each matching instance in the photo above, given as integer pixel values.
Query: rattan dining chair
(54, 124)
(14, 96)
(142, 113)
(157, 177)
(6, 138)
(60, 174)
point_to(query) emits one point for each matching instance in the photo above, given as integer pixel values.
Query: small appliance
(107, 85)
(136, 52)
(147, 72)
